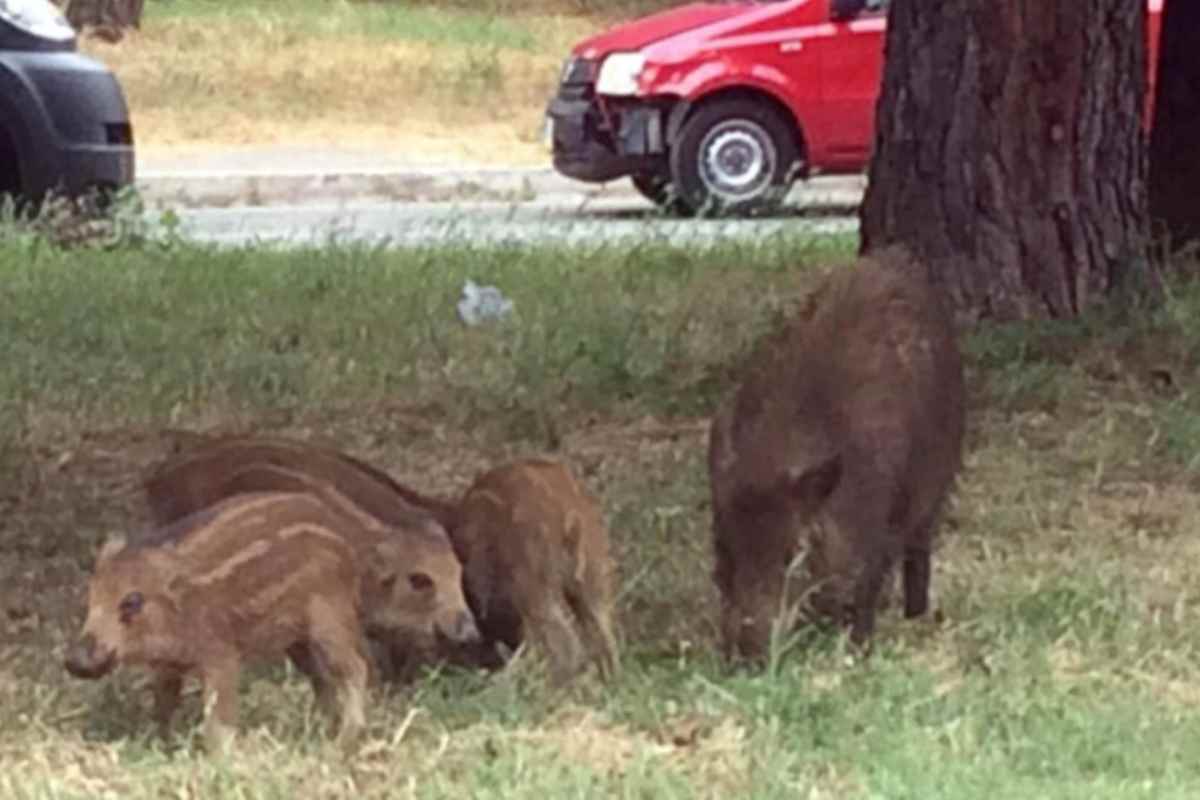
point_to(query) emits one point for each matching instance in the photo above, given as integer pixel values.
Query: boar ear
(813, 486)
(170, 567)
(386, 550)
(383, 561)
(114, 544)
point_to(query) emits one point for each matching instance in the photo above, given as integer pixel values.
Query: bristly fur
(392, 537)
(255, 576)
(843, 439)
(537, 564)
(169, 485)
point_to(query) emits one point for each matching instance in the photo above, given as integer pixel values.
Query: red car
(720, 106)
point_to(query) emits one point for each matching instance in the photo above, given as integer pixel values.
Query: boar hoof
(218, 738)
(354, 719)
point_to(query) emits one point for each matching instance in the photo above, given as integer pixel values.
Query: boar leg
(918, 566)
(337, 643)
(352, 670)
(168, 686)
(384, 658)
(306, 662)
(551, 625)
(406, 660)
(917, 563)
(596, 626)
(866, 599)
(220, 689)
(866, 518)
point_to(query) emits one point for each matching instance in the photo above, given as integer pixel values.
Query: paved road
(292, 195)
(571, 220)
(301, 176)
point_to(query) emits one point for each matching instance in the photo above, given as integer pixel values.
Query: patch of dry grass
(435, 85)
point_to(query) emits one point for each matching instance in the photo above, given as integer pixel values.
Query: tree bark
(113, 16)
(1174, 159)
(1009, 152)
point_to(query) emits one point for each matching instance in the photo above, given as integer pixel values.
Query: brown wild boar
(837, 451)
(253, 577)
(418, 579)
(536, 563)
(426, 581)
(194, 478)
(203, 472)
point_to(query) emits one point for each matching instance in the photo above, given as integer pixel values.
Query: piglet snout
(87, 659)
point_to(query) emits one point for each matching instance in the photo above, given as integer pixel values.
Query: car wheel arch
(15, 140)
(12, 177)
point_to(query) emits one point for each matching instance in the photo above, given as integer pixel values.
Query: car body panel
(638, 33)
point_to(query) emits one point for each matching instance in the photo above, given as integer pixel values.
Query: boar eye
(388, 582)
(420, 582)
(131, 605)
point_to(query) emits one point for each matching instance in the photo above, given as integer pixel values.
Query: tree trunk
(1009, 152)
(111, 16)
(1174, 163)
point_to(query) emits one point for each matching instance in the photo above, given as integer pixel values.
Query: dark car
(64, 124)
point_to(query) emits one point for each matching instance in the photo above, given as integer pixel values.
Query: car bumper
(589, 145)
(107, 167)
(69, 121)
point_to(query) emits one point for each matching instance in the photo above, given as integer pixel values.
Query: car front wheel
(658, 189)
(654, 187)
(734, 157)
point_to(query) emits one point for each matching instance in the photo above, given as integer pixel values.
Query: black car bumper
(595, 145)
(66, 118)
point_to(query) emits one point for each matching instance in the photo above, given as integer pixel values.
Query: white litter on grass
(482, 303)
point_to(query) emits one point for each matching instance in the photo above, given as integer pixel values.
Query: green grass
(336, 18)
(136, 336)
(1062, 662)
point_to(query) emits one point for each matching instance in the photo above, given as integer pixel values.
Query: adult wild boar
(832, 459)
(254, 577)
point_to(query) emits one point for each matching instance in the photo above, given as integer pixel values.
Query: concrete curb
(226, 188)
(419, 185)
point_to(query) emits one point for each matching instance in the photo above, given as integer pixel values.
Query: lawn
(1060, 663)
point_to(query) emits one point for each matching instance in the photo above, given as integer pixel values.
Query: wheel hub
(737, 159)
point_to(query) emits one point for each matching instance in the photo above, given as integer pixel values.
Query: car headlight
(619, 74)
(38, 18)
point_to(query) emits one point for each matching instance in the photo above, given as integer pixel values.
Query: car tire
(10, 163)
(735, 158)
(657, 188)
